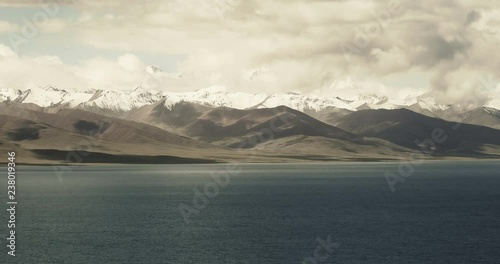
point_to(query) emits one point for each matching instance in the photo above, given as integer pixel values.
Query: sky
(446, 48)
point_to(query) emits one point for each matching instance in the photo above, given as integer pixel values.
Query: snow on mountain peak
(217, 96)
(152, 69)
(9, 94)
(492, 111)
(428, 102)
(216, 89)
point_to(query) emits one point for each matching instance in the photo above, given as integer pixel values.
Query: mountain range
(50, 125)
(349, 96)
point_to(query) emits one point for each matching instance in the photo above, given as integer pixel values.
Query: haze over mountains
(213, 125)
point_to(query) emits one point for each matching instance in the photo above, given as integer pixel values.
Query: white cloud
(6, 52)
(6, 27)
(24, 72)
(290, 45)
(55, 25)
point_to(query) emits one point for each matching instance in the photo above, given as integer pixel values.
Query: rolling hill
(406, 128)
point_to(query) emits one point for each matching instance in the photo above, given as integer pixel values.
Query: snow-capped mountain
(6, 94)
(122, 101)
(216, 96)
(492, 111)
(52, 96)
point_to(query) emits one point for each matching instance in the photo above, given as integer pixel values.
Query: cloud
(6, 27)
(126, 72)
(24, 72)
(287, 45)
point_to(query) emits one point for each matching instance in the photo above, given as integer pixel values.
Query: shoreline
(297, 162)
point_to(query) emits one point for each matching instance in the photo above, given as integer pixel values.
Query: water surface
(446, 212)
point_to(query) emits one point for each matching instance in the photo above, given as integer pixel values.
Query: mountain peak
(217, 96)
(152, 69)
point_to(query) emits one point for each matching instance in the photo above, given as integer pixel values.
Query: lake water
(446, 212)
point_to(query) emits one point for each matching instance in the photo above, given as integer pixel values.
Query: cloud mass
(263, 46)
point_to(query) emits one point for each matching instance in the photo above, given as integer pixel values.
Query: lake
(445, 212)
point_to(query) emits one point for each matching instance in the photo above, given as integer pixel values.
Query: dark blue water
(446, 212)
